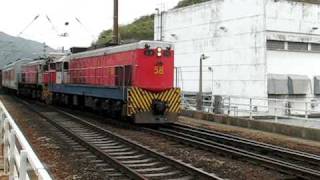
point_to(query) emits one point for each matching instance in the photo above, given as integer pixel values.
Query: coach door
(123, 75)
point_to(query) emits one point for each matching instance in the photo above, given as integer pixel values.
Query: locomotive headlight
(159, 52)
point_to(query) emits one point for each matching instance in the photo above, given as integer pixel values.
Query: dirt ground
(62, 163)
(221, 165)
(56, 155)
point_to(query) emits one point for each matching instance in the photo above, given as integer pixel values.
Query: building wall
(292, 17)
(293, 22)
(231, 33)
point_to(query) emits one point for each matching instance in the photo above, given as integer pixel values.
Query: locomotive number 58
(158, 70)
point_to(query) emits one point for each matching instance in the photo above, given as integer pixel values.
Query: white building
(247, 41)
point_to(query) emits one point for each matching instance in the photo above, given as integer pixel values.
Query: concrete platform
(310, 123)
(294, 128)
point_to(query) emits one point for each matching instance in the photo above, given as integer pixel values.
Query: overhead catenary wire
(52, 25)
(85, 28)
(33, 20)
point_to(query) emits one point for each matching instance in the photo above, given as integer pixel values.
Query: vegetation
(140, 29)
(185, 3)
(143, 28)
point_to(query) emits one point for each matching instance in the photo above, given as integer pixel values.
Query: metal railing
(254, 106)
(20, 161)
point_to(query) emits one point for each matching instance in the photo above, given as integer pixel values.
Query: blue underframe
(94, 91)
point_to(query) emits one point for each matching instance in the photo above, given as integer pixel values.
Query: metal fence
(292, 108)
(20, 161)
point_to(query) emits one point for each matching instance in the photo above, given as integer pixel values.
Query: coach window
(66, 65)
(59, 66)
(52, 66)
(45, 67)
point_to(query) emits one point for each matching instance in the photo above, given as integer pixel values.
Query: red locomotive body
(134, 80)
(128, 68)
(31, 82)
(29, 74)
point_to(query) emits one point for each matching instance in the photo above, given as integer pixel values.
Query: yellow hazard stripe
(140, 100)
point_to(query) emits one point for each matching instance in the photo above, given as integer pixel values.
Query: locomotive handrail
(20, 161)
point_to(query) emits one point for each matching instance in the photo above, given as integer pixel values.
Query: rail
(237, 106)
(19, 160)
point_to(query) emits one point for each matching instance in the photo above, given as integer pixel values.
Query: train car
(133, 80)
(11, 75)
(31, 83)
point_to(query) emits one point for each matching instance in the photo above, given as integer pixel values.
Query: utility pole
(115, 37)
(177, 83)
(45, 49)
(199, 99)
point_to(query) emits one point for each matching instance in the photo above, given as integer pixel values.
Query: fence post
(306, 110)
(251, 109)
(23, 165)
(275, 114)
(5, 146)
(12, 142)
(229, 106)
(2, 118)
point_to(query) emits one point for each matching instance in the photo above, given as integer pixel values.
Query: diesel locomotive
(132, 80)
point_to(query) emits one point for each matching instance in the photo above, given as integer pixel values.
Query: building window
(275, 45)
(297, 46)
(315, 47)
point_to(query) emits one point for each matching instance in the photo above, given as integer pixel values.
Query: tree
(141, 29)
(185, 3)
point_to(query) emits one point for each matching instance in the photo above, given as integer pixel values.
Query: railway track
(299, 164)
(123, 158)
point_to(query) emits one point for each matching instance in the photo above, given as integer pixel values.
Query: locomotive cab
(153, 98)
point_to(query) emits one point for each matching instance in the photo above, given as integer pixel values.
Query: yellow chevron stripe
(176, 101)
(160, 96)
(176, 106)
(131, 105)
(170, 95)
(166, 95)
(140, 100)
(168, 99)
(134, 102)
(142, 104)
(144, 100)
(148, 97)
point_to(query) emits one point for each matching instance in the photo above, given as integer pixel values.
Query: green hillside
(140, 29)
(13, 48)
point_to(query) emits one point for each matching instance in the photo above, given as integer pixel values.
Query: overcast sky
(95, 15)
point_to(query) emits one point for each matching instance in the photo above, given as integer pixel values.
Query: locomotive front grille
(140, 100)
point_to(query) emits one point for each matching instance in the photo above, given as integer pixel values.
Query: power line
(85, 28)
(34, 19)
(52, 25)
